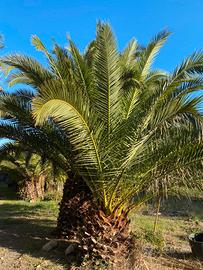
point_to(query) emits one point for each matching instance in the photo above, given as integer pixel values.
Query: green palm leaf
(107, 74)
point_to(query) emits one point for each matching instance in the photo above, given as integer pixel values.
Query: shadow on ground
(24, 231)
(180, 255)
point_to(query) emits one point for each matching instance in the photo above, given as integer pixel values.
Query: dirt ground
(25, 227)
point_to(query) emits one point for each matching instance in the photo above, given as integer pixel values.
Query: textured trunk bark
(75, 194)
(32, 189)
(106, 237)
(39, 187)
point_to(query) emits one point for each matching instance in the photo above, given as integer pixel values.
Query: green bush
(53, 196)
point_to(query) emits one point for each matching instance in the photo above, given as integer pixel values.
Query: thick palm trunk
(33, 188)
(76, 195)
(80, 219)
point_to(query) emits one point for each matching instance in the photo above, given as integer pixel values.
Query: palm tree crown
(132, 131)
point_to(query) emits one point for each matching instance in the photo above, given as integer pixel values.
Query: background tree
(35, 152)
(29, 172)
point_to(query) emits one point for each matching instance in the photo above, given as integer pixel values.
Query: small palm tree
(42, 159)
(134, 133)
(28, 171)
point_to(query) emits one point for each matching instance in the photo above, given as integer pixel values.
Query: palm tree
(134, 133)
(42, 150)
(29, 171)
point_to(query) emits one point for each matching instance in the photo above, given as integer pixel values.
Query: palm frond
(127, 58)
(149, 53)
(82, 72)
(31, 71)
(107, 74)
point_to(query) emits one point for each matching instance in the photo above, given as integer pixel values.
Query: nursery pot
(196, 244)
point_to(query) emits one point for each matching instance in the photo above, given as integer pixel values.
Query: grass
(24, 227)
(178, 218)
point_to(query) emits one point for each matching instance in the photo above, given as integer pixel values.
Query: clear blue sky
(19, 19)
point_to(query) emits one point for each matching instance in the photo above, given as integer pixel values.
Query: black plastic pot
(196, 244)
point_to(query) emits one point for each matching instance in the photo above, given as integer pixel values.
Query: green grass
(178, 219)
(39, 216)
(17, 207)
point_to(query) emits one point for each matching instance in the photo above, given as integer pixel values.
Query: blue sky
(50, 19)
